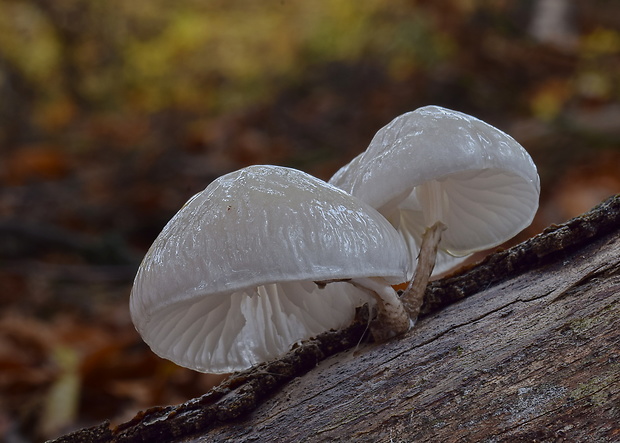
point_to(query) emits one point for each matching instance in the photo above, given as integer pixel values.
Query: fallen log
(524, 346)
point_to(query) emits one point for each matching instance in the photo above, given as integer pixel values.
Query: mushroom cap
(488, 183)
(228, 283)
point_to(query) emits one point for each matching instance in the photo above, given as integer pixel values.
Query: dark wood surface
(536, 358)
(524, 346)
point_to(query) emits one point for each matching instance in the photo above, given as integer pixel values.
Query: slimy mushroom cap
(229, 282)
(437, 164)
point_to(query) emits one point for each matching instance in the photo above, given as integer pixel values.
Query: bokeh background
(113, 113)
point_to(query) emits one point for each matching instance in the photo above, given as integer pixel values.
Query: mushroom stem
(413, 296)
(392, 319)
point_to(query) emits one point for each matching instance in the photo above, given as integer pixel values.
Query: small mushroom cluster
(268, 256)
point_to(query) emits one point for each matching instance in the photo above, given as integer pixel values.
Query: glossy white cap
(229, 281)
(434, 163)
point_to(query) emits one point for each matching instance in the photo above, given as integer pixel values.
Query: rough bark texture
(523, 347)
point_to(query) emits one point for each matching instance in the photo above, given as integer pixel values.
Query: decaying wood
(522, 347)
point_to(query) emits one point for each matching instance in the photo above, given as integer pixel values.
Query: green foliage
(188, 54)
(28, 42)
(80, 59)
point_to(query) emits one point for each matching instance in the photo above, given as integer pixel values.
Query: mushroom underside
(232, 332)
(481, 209)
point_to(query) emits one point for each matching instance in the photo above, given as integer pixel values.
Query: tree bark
(522, 347)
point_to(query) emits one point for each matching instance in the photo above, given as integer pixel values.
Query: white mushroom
(260, 260)
(434, 170)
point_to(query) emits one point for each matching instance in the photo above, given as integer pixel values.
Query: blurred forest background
(113, 113)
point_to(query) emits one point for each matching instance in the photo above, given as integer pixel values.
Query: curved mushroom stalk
(413, 297)
(433, 199)
(392, 318)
